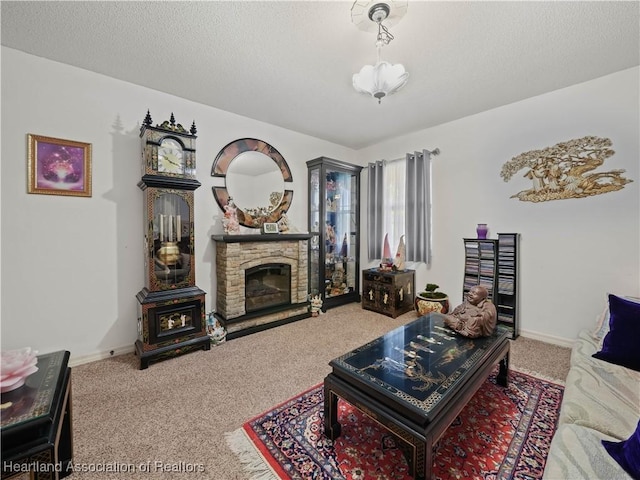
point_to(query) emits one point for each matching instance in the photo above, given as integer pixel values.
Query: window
(399, 203)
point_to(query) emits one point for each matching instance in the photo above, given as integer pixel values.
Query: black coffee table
(414, 381)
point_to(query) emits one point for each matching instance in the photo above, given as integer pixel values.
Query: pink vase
(482, 230)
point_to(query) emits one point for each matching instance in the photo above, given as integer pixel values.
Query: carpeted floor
(169, 421)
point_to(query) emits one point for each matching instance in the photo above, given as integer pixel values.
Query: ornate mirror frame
(221, 167)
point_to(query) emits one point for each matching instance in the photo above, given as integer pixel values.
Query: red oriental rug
(501, 434)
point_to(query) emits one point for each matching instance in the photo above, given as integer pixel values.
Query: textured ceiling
(290, 63)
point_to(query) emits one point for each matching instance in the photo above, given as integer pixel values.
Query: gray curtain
(375, 201)
(418, 207)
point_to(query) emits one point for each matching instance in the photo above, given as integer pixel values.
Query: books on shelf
(506, 285)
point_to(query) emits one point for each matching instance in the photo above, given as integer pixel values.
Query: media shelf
(507, 294)
(480, 265)
(494, 264)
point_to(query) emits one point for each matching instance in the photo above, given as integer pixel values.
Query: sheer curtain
(394, 202)
(386, 205)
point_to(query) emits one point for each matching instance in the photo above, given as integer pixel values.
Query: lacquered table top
(34, 400)
(419, 364)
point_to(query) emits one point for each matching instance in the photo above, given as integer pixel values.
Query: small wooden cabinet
(388, 292)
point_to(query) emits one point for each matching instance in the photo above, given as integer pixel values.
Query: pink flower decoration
(15, 367)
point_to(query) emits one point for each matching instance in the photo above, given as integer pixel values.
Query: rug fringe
(252, 462)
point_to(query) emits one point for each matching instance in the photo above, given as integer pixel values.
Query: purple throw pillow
(626, 453)
(621, 344)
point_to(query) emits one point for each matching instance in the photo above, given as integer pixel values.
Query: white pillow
(602, 321)
(602, 325)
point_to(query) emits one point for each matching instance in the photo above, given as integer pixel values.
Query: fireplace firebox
(267, 286)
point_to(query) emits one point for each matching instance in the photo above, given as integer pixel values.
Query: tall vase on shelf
(482, 230)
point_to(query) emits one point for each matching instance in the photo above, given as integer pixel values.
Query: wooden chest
(388, 292)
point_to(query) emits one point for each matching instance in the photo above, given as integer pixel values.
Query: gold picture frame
(58, 167)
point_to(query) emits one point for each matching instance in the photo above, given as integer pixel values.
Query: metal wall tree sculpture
(561, 171)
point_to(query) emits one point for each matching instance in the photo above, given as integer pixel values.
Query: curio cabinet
(334, 225)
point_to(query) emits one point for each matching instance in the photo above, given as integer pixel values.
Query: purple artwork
(60, 167)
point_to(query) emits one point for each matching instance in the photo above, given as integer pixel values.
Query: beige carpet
(169, 421)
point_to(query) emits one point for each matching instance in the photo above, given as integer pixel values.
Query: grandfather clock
(171, 317)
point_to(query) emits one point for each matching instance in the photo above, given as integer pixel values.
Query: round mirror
(256, 178)
(255, 183)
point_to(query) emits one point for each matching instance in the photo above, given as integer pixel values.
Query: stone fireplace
(262, 281)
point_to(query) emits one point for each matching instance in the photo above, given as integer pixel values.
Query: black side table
(36, 424)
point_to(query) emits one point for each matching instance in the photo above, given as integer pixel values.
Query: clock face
(170, 157)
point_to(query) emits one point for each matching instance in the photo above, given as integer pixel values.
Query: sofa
(601, 401)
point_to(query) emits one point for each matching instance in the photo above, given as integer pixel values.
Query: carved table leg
(503, 372)
(424, 465)
(331, 425)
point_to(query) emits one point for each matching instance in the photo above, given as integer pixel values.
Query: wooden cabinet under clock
(171, 317)
(334, 225)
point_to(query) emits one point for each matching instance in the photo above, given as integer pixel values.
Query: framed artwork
(59, 167)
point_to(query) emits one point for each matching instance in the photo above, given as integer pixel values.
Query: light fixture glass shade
(380, 80)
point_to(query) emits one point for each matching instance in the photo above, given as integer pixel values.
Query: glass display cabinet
(334, 225)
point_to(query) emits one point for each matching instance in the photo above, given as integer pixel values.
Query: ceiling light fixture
(383, 78)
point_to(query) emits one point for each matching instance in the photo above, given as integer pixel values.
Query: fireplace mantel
(265, 237)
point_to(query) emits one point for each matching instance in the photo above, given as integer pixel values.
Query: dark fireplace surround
(262, 281)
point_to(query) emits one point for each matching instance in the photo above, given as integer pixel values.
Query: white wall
(71, 267)
(572, 251)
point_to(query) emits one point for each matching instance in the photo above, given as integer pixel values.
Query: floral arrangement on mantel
(15, 367)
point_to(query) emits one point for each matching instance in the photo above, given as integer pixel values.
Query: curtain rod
(434, 152)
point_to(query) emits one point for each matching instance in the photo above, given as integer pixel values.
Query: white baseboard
(542, 337)
(74, 361)
(79, 360)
